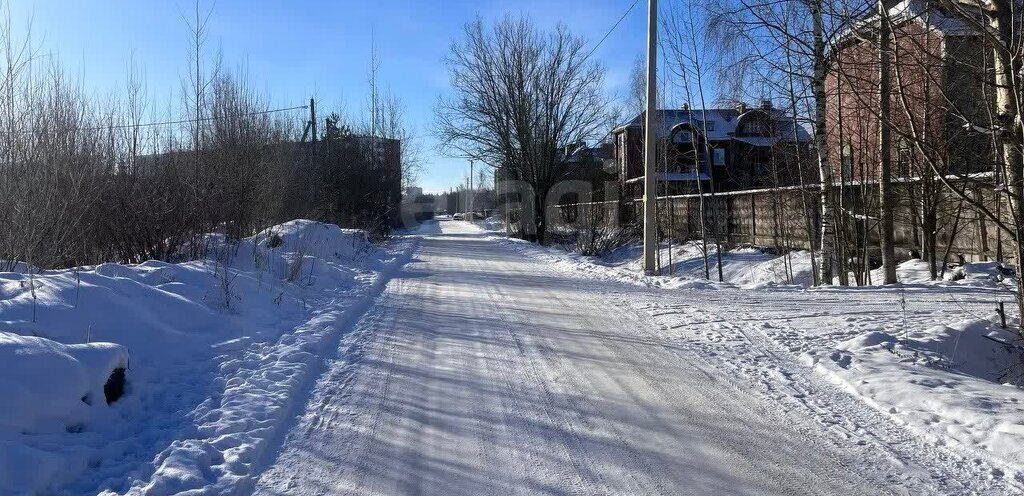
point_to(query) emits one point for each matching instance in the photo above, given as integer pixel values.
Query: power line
(181, 121)
(606, 35)
(205, 119)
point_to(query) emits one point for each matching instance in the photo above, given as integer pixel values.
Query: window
(719, 156)
(621, 150)
(903, 157)
(847, 161)
(702, 125)
(755, 128)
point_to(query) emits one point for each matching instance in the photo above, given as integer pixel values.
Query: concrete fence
(788, 218)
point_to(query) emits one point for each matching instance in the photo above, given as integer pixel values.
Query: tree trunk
(820, 144)
(1007, 73)
(929, 223)
(885, 200)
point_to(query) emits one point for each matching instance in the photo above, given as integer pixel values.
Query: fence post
(753, 219)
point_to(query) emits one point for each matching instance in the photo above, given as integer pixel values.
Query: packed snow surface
(931, 355)
(219, 350)
(494, 367)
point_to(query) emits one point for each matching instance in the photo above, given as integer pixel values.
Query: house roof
(759, 140)
(721, 122)
(582, 152)
(922, 11)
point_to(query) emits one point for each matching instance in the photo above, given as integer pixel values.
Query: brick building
(724, 149)
(938, 88)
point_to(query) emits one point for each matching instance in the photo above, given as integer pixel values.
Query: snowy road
(480, 370)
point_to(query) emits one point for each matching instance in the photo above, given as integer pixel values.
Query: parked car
(459, 216)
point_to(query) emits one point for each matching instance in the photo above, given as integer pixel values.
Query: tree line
(87, 179)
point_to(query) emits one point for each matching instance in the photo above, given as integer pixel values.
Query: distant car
(459, 216)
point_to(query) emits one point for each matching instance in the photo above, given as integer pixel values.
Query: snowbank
(948, 382)
(752, 268)
(493, 224)
(744, 267)
(219, 349)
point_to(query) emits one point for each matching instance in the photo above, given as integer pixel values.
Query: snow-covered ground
(493, 367)
(753, 268)
(930, 355)
(452, 361)
(744, 267)
(217, 355)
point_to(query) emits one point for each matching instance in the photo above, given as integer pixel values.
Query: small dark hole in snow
(114, 387)
(75, 428)
(87, 400)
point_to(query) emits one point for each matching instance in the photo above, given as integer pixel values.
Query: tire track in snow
(928, 468)
(575, 477)
(492, 372)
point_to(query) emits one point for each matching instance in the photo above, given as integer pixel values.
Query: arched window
(684, 136)
(754, 124)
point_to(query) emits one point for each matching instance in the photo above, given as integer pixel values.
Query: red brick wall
(852, 99)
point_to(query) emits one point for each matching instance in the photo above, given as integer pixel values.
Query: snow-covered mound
(218, 347)
(751, 267)
(745, 267)
(315, 239)
(49, 386)
(928, 379)
(976, 274)
(493, 223)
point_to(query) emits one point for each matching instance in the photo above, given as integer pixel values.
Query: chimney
(766, 103)
(741, 107)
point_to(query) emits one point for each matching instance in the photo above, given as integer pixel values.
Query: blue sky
(292, 50)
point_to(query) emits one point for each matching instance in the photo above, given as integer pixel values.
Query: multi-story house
(721, 149)
(940, 100)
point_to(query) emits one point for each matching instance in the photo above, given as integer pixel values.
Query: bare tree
(521, 95)
(689, 65)
(637, 96)
(772, 41)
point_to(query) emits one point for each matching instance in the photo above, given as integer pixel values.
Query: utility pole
(650, 150)
(312, 117)
(470, 200)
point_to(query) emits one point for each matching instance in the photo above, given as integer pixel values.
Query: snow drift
(955, 382)
(47, 387)
(219, 347)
